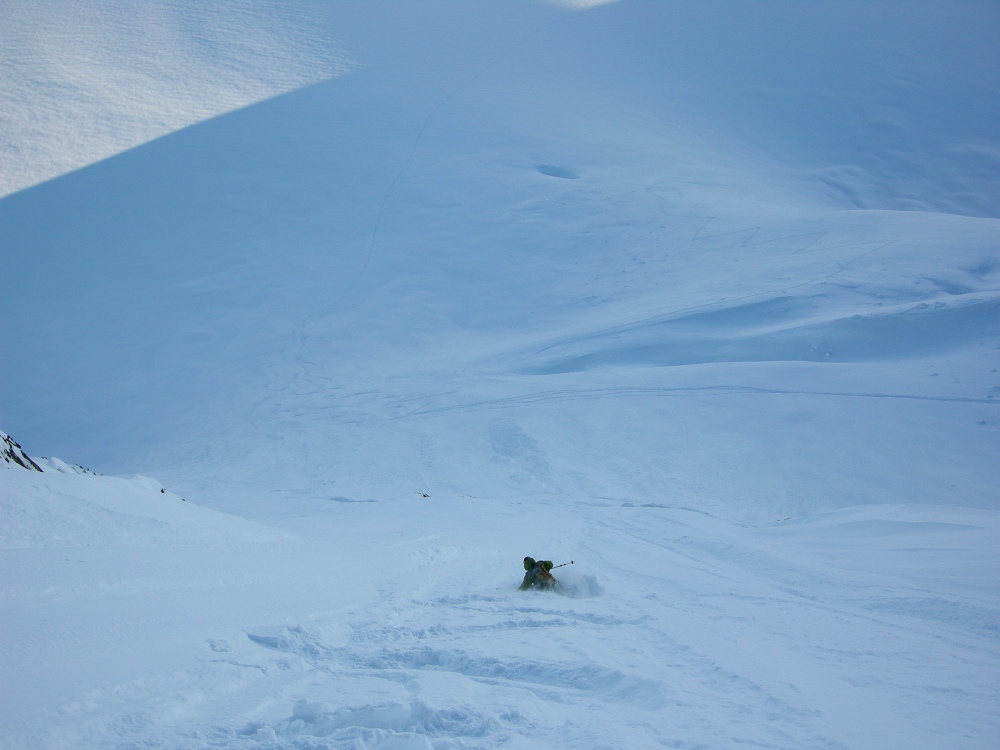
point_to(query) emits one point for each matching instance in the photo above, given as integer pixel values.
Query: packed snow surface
(702, 296)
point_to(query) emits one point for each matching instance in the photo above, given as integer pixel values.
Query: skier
(537, 575)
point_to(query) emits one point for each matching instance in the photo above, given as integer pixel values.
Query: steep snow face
(83, 81)
(558, 223)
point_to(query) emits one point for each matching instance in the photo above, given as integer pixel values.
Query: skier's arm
(526, 583)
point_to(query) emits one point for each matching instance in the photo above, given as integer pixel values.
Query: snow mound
(70, 507)
(578, 585)
(58, 465)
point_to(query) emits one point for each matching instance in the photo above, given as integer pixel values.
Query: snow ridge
(12, 453)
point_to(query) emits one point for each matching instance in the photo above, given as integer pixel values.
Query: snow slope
(85, 81)
(394, 623)
(704, 297)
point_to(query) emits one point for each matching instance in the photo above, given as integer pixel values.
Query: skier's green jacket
(537, 575)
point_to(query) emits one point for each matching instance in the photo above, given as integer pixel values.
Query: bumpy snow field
(702, 296)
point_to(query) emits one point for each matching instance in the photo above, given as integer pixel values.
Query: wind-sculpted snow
(904, 331)
(83, 81)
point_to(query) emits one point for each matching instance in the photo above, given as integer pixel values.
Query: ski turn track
(650, 657)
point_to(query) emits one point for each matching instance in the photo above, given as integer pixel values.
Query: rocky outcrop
(14, 455)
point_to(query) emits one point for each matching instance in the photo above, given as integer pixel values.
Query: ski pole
(563, 565)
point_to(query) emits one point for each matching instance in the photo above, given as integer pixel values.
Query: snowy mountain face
(14, 455)
(703, 296)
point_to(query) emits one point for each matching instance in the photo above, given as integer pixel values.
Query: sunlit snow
(84, 80)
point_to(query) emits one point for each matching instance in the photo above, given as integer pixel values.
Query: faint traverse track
(596, 393)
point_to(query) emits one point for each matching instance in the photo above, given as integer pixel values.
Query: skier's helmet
(529, 563)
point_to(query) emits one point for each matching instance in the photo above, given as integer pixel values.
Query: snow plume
(14, 455)
(86, 80)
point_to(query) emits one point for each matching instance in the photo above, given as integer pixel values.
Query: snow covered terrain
(83, 81)
(703, 296)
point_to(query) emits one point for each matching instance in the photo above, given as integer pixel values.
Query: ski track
(599, 393)
(440, 656)
(447, 654)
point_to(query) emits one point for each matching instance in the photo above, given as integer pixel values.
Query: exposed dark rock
(13, 454)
